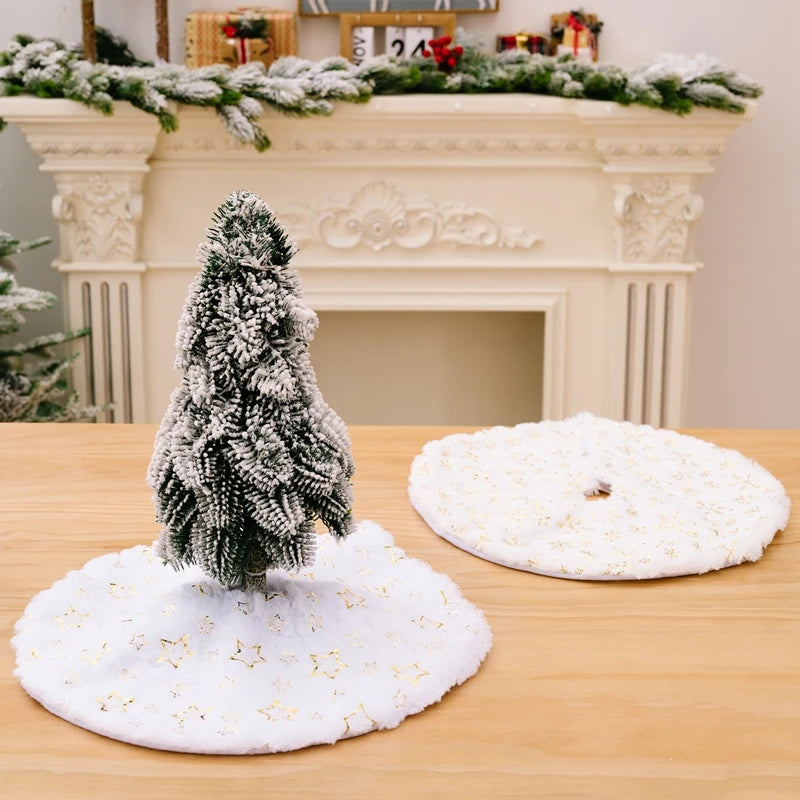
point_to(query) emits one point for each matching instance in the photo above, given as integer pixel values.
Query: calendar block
(401, 34)
(417, 40)
(363, 44)
(395, 41)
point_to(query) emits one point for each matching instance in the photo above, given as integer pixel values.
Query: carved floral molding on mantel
(654, 220)
(178, 143)
(93, 149)
(379, 215)
(408, 144)
(101, 218)
(660, 149)
(446, 145)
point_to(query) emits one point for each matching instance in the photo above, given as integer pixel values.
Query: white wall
(745, 326)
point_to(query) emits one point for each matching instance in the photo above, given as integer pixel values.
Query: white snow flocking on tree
(248, 455)
(33, 378)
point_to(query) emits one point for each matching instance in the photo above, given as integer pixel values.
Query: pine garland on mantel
(291, 85)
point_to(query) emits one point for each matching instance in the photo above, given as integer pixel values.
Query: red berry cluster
(446, 57)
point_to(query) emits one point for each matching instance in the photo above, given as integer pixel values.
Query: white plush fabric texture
(518, 497)
(133, 650)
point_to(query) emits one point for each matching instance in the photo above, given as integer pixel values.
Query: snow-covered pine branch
(33, 383)
(296, 86)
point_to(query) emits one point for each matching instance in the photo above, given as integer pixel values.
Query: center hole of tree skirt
(600, 492)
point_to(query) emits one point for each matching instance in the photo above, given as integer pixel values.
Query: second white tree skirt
(128, 648)
(588, 498)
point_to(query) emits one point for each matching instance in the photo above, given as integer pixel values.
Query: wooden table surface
(677, 688)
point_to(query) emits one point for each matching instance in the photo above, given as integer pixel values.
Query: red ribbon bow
(577, 26)
(230, 32)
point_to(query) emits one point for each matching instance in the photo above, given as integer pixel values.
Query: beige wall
(745, 327)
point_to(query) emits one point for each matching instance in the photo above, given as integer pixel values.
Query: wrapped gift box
(532, 42)
(206, 43)
(575, 33)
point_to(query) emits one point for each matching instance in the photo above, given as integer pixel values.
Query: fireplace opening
(431, 367)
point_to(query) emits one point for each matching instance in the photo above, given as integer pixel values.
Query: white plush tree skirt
(528, 497)
(131, 649)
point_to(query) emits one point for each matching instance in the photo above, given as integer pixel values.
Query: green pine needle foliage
(33, 377)
(113, 49)
(248, 455)
(295, 86)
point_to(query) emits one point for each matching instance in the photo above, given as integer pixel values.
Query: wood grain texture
(678, 688)
(162, 30)
(89, 32)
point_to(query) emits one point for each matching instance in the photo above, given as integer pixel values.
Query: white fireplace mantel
(579, 209)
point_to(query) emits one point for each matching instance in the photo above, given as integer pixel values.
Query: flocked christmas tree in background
(33, 379)
(248, 454)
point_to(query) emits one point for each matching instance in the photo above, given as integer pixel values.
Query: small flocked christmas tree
(248, 454)
(33, 379)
